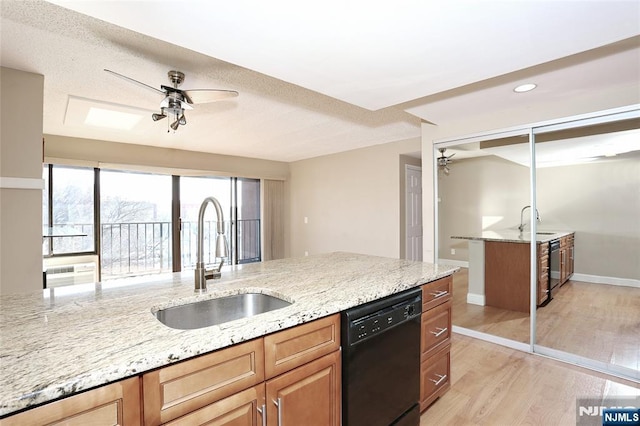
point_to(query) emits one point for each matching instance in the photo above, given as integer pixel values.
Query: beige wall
(21, 158)
(351, 201)
(96, 153)
(599, 201)
(484, 193)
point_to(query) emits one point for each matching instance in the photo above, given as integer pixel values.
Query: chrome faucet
(201, 273)
(521, 227)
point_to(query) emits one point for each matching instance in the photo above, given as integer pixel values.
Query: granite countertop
(514, 236)
(59, 341)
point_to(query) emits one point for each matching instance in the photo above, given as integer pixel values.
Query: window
(135, 222)
(68, 210)
(247, 229)
(134, 219)
(193, 190)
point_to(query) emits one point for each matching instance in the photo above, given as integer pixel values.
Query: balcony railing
(138, 248)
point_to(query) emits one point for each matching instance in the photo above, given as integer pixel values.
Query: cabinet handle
(440, 379)
(263, 414)
(439, 294)
(278, 403)
(439, 332)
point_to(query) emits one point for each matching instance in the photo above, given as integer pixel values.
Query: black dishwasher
(381, 361)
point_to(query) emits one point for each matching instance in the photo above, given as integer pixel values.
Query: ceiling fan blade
(451, 155)
(136, 82)
(202, 96)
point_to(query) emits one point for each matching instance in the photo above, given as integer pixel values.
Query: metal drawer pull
(263, 414)
(279, 405)
(439, 294)
(440, 380)
(439, 332)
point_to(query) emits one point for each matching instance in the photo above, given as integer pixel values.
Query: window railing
(139, 248)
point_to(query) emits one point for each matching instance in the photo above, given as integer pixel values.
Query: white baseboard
(525, 347)
(476, 299)
(597, 279)
(452, 262)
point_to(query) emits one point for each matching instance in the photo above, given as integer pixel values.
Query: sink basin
(219, 310)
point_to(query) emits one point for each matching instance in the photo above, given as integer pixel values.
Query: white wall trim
(525, 347)
(476, 299)
(591, 364)
(21, 183)
(597, 279)
(460, 263)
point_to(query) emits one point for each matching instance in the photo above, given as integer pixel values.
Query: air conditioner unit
(79, 273)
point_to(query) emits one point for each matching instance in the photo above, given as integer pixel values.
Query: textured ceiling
(315, 79)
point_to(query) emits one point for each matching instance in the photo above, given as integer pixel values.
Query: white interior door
(413, 212)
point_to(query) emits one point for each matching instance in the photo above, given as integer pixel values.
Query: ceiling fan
(175, 100)
(443, 161)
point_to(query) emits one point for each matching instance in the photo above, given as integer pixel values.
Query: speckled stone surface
(63, 340)
(512, 236)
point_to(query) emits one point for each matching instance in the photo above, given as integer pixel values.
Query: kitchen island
(500, 267)
(61, 341)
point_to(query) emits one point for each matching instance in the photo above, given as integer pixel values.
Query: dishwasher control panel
(377, 322)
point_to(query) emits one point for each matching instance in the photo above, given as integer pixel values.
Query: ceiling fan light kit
(443, 161)
(175, 100)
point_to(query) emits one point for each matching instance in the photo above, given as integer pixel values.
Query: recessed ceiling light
(111, 119)
(525, 88)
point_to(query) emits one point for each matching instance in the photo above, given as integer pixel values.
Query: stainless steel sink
(218, 310)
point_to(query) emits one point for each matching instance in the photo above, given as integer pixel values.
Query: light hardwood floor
(494, 385)
(597, 321)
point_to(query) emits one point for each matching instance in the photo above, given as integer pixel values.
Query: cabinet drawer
(238, 409)
(114, 404)
(436, 329)
(435, 377)
(436, 292)
(543, 249)
(290, 348)
(176, 390)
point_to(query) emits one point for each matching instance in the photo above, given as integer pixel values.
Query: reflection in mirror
(480, 201)
(588, 184)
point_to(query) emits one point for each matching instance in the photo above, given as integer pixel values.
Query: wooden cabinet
(543, 273)
(566, 258)
(507, 275)
(242, 408)
(114, 404)
(293, 347)
(308, 395)
(227, 387)
(435, 344)
(173, 391)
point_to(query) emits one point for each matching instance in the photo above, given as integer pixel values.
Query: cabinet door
(308, 395)
(114, 404)
(244, 408)
(176, 390)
